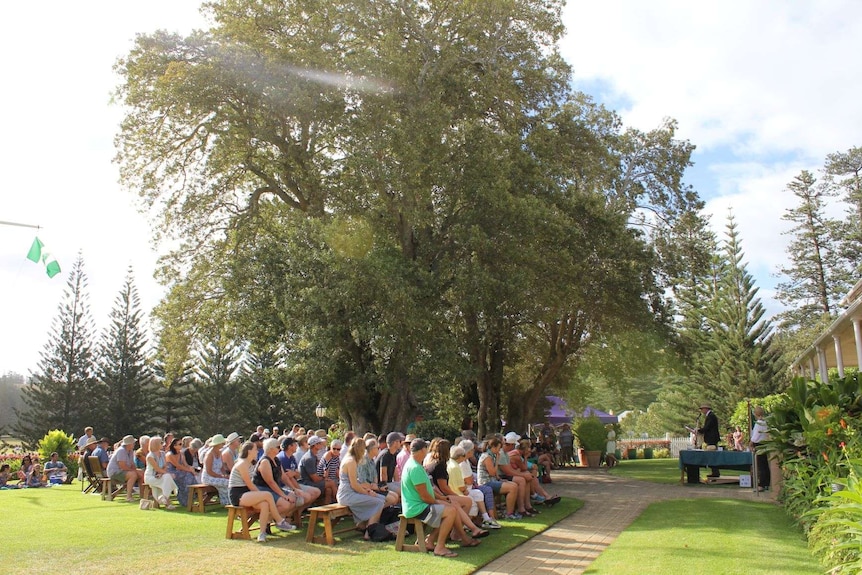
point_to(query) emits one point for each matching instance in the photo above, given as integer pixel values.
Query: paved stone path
(610, 505)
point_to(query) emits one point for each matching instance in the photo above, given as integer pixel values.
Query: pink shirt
(400, 460)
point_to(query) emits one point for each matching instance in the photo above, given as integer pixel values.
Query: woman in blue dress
(183, 474)
(362, 499)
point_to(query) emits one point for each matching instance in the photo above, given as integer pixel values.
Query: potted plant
(592, 438)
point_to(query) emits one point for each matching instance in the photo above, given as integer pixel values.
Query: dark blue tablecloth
(740, 460)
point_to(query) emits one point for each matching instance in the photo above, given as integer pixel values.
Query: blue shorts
(495, 485)
(275, 495)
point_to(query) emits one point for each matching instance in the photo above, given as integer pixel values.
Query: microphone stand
(697, 442)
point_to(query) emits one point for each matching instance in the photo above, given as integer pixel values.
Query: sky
(763, 89)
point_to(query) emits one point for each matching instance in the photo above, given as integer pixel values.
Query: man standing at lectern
(710, 432)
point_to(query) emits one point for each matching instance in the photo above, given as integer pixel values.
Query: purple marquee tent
(560, 413)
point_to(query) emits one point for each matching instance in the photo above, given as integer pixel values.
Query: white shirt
(760, 432)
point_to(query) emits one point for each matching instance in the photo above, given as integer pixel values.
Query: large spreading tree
(406, 197)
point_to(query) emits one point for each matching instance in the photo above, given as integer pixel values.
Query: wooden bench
(108, 491)
(330, 515)
(419, 528)
(201, 495)
(247, 516)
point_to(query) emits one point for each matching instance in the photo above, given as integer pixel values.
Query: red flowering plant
(836, 514)
(813, 433)
(14, 459)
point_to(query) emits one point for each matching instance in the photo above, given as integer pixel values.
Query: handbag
(146, 504)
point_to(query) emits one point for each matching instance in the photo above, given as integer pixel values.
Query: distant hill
(10, 399)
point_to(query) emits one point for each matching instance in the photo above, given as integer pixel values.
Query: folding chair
(93, 478)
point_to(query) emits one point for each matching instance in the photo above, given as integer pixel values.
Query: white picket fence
(676, 443)
(679, 443)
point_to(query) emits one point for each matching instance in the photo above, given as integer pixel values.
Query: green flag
(38, 252)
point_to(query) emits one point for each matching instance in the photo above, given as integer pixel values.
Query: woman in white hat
(230, 451)
(214, 472)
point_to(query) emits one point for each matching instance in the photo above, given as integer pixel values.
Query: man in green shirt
(418, 500)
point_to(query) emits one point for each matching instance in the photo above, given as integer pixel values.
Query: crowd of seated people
(448, 485)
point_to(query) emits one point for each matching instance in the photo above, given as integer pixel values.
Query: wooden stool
(330, 514)
(247, 515)
(108, 489)
(418, 526)
(204, 494)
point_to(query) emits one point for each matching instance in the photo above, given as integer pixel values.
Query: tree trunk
(564, 338)
(488, 362)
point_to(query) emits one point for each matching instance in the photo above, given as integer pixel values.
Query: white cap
(512, 437)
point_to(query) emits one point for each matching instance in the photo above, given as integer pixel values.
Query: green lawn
(662, 471)
(709, 537)
(61, 530)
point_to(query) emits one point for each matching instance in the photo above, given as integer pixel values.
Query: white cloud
(763, 89)
(755, 194)
(760, 76)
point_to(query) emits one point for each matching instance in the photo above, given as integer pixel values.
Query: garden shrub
(430, 428)
(64, 445)
(835, 537)
(814, 433)
(661, 453)
(591, 434)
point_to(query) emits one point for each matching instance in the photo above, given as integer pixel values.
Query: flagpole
(2, 223)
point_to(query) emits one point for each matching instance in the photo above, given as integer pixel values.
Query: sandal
(447, 554)
(470, 543)
(480, 534)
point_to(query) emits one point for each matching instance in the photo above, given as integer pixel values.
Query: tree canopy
(407, 198)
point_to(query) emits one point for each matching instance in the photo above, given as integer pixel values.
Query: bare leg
(449, 517)
(329, 491)
(522, 492)
(261, 500)
(510, 490)
(537, 487)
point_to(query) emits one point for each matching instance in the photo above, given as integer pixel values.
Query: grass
(663, 471)
(46, 528)
(709, 536)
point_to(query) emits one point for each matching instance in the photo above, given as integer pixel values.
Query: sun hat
(105, 440)
(512, 437)
(128, 440)
(232, 437)
(705, 405)
(314, 440)
(217, 439)
(91, 441)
